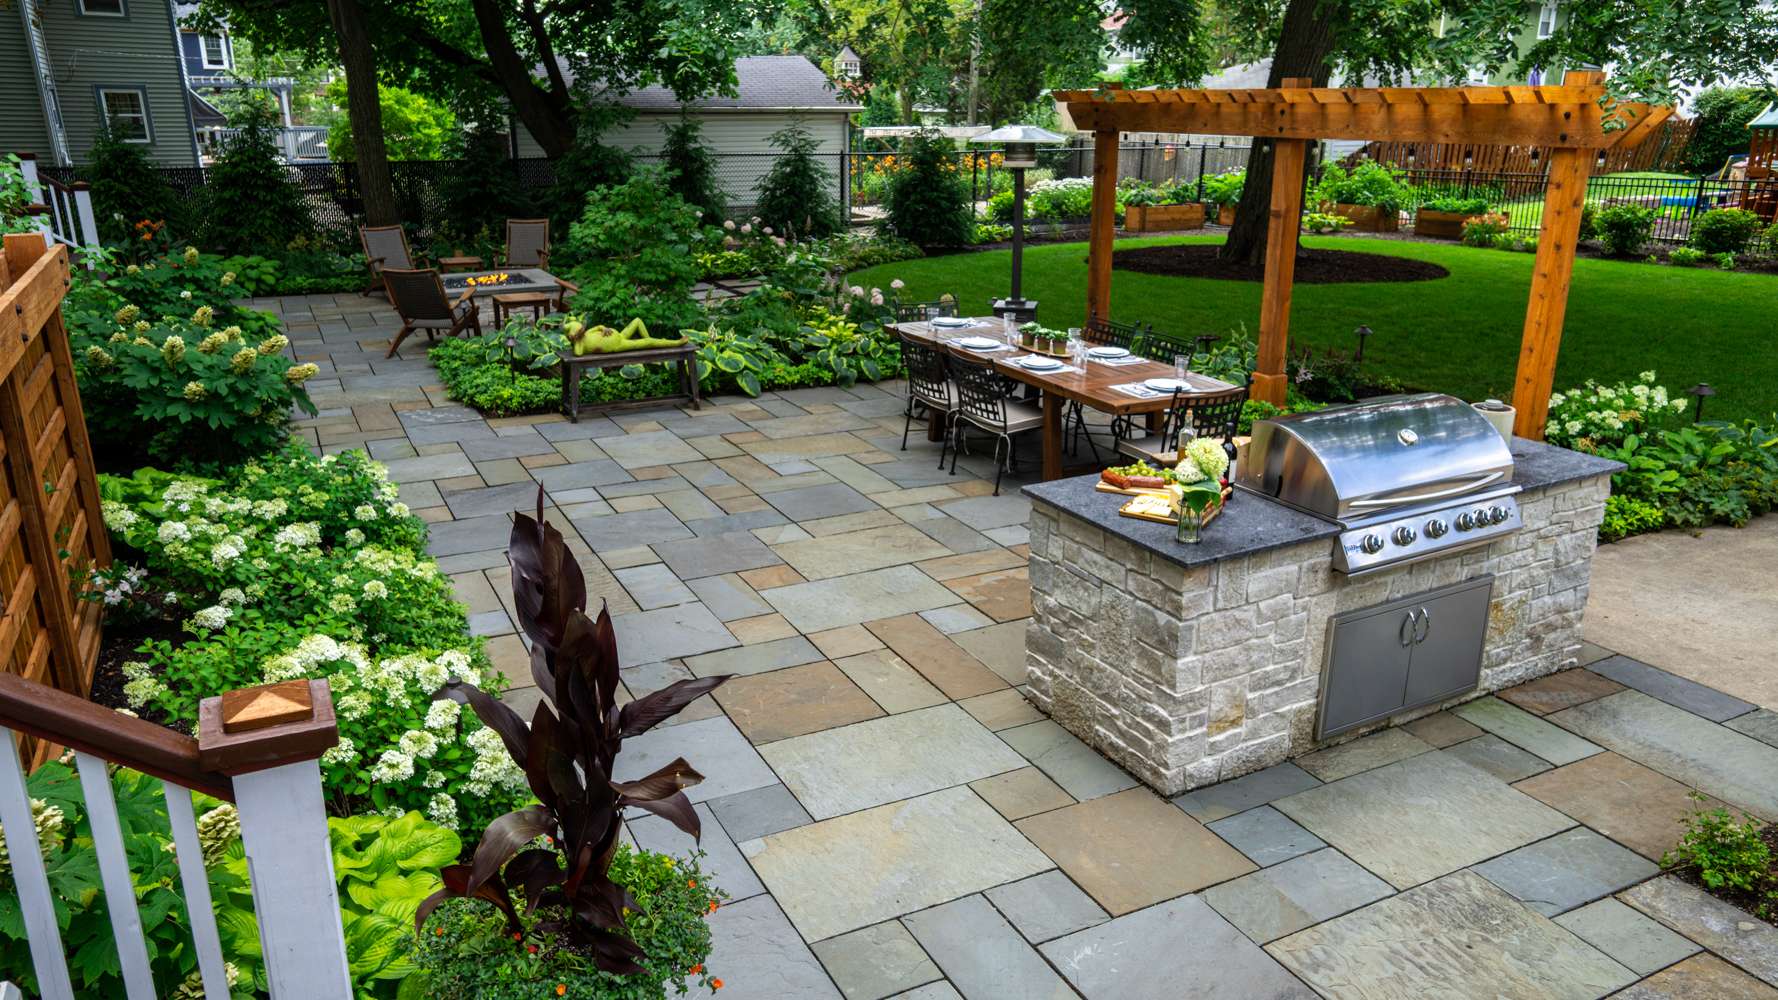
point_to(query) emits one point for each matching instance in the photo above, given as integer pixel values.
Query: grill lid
(1351, 462)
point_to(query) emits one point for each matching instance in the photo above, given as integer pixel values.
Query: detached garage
(772, 92)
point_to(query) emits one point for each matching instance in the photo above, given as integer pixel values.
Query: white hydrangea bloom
(232, 595)
(302, 535)
(393, 765)
(364, 512)
(418, 743)
(213, 617)
(376, 590)
(442, 714)
(354, 537)
(340, 754)
(117, 516)
(173, 531)
(442, 810)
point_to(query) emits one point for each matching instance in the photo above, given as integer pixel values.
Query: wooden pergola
(1571, 120)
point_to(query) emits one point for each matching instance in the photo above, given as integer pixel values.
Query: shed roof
(763, 83)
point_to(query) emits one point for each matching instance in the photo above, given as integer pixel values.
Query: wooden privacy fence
(51, 530)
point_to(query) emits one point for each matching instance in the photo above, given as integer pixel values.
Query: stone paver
(794, 701)
(936, 656)
(1227, 798)
(1417, 819)
(1298, 893)
(1021, 793)
(1133, 849)
(896, 757)
(1672, 689)
(1265, 835)
(813, 502)
(1496, 756)
(891, 682)
(755, 813)
(1761, 725)
(1620, 798)
(1717, 761)
(729, 598)
(1181, 949)
(982, 955)
(722, 861)
(1527, 731)
(866, 867)
(621, 531)
(1573, 867)
(1072, 764)
(1003, 595)
(850, 600)
(1636, 942)
(1558, 691)
(667, 633)
(1458, 936)
(758, 658)
(641, 451)
(1721, 928)
(876, 962)
(1000, 647)
(1362, 754)
(1442, 729)
(1703, 977)
(715, 741)
(1002, 709)
(758, 955)
(858, 551)
(1046, 906)
(654, 586)
(715, 555)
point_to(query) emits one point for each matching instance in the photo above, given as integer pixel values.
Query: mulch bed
(1313, 267)
(119, 647)
(1752, 902)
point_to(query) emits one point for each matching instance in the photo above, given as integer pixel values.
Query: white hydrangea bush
(1591, 415)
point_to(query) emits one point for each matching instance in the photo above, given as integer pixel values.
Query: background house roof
(764, 83)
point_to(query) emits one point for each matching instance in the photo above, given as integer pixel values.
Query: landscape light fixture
(1018, 152)
(1702, 391)
(1362, 332)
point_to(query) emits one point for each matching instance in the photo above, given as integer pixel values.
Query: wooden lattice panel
(51, 530)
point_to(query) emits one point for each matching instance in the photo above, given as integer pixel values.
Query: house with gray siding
(771, 92)
(67, 66)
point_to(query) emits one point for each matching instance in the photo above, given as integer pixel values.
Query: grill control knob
(1436, 528)
(1496, 514)
(1371, 544)
(1481, 517)
(1465, 521)
(1405, 535)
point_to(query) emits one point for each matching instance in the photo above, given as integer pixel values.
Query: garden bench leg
(574, 394)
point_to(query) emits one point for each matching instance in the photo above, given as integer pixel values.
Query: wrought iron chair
(983, 403)
(386, 247)
(1099, 333)
(1212, 416)
(929, 388)
(419, 298)
(914, 312)
(527, 243)
(1162, 347)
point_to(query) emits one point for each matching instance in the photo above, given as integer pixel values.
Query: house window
(103, 8)
(126, 109)
(215, 49)
(1546, 20)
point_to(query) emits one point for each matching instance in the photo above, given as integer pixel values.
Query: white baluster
(29, 877)
(88, 234)
(114, 872)
(290, 860)
(197, 891)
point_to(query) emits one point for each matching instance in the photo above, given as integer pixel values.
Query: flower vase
(1191, 526)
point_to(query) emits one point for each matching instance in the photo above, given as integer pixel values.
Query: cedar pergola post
(1103, 225)
(1570, 120)
(1564, 199)
(1289, 157)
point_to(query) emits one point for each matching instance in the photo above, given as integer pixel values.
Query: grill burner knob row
(1436, 528)
(1496, 514)
(1372, 544)
(1405, 535)
(1465, 521)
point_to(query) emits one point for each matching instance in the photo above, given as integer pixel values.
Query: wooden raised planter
(1162, 218)
(1441, 225)
(1225, 216)
(1367, 218)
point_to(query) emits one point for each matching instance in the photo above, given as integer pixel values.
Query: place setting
(1154, 388)
(980, 345)
(1115, 357)
(1042, 364)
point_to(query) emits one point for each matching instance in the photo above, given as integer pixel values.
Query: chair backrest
(385, 246)
(1220, 415)
(1157, 346)
(1108, 334)
(981, 392)
(527, 242)
(929, 375)
(417, 294)
(914, 312)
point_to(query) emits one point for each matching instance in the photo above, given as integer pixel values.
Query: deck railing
(64, 212)
(257, 748)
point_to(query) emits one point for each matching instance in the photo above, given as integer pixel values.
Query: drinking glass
(1182, 364)
(1075, 347)
(933, 312)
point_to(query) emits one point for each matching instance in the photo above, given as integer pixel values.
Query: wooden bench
(684, 356)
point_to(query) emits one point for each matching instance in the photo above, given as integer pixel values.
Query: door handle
(1426, 620)
(1409, 627)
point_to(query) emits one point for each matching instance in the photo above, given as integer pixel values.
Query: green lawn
(1528, 210)
(1458, 334)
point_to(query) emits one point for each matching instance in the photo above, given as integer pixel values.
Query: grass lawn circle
(1313, 267)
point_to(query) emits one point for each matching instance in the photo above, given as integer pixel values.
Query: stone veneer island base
(1192, 664)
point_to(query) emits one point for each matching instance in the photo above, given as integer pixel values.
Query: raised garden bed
(1367, 218)
(1163, 218)
(1442, 225)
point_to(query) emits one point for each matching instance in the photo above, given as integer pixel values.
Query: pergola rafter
(1572, 119)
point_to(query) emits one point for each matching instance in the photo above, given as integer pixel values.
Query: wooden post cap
(267, 705)
(263, 727)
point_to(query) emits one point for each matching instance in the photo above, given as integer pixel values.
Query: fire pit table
(1376, 563)
(512, 281)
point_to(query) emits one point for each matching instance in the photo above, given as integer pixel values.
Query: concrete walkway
(893, 819)
(1703, 606)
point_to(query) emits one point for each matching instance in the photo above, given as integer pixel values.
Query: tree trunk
(546, 114)
(365, 109)
(1304, 45)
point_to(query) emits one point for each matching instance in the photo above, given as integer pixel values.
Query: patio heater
(1019, 153)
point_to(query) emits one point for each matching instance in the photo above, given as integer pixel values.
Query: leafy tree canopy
(414, 128)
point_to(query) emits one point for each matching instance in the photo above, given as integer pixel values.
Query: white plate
(953, 322)
(978, 343)
(1037, 363)
(1108, 352)
(1166, 384)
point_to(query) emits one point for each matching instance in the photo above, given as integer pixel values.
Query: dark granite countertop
(1252, 523)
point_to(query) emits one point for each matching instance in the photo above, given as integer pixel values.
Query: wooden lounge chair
(419, 298)
(386, 246)
(527, 243)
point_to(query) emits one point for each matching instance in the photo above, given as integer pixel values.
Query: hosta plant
(558, 853)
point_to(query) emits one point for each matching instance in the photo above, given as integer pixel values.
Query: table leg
(935, 424)
(691, 378)
(574, 394)
(1052, 436)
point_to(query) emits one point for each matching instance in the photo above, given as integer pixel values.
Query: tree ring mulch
(1313, 267)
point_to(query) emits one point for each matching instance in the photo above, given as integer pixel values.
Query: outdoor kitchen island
(1192, 664)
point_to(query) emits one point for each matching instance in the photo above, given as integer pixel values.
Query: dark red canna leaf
(541, 674)
(494, 715)
(675, 809)
(671, 778)
(534, 873)
(505, 837)
(646, 712)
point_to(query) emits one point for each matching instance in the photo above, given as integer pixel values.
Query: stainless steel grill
(1407, 477)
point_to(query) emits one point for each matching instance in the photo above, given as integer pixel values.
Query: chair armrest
(543, 258)
(467, 294)
(568, 286)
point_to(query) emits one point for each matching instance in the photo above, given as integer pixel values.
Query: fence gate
(51, 530)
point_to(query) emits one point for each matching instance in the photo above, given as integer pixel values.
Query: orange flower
(713, 906)
(716, 984)
(561, 989)
(516, 936)
(531, 948)
(696, 969)
(691, 883)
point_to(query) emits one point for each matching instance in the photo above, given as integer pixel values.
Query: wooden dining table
(1094, 385)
